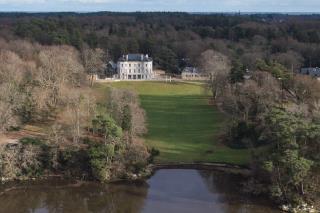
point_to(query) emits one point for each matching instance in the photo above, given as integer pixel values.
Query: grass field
(181, 123)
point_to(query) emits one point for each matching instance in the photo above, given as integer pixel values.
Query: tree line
(176, 40)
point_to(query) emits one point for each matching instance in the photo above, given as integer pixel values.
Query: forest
(176, 40)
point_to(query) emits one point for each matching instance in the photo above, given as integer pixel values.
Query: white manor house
(135, 67)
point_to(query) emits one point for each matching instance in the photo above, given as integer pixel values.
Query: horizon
(163, 11)
(189, 6)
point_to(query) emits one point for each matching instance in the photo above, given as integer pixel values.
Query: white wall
(131, 70)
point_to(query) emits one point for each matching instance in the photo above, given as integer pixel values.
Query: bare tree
(93, 61)
(251, 98)
(218, 67)
(291, 60)
(12, 74)
(79, 112)
(59, 66)
(305, 90)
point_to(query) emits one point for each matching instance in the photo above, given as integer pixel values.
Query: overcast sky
(163, 5)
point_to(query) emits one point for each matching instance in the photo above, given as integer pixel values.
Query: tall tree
(217, 66)
(94, 61)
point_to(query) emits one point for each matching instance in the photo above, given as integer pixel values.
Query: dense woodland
(176, 40)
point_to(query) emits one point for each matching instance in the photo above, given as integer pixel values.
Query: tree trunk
(302, 189)
(91, 80)
(78, 124)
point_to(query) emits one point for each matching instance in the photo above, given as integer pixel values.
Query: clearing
(182, 124)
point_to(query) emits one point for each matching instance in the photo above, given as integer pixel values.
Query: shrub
(31, 141)
(30, 160)
(126, 118)
(153, 153)
(100, 157)
(107, 127)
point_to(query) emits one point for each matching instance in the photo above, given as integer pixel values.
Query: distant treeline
(176, 40)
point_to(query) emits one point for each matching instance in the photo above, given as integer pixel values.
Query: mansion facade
(135, 67)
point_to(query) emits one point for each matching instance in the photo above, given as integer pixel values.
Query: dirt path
(15, 136)
(5, 140)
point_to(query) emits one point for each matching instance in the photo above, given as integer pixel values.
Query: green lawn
(182, 124)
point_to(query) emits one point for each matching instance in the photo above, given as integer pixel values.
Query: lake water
(175, 190)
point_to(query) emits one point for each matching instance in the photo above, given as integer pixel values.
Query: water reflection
(59, 197)
(230, 195)
(200, 191)
(167, 191)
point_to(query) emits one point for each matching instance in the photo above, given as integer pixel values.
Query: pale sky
(162, 5)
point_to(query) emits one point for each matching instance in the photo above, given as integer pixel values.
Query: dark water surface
(180, 191)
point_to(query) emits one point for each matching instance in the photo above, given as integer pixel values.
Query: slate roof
(135, 57)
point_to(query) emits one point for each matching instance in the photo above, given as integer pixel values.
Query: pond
(168, 190)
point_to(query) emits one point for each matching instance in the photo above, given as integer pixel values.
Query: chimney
(147, 56)
(127, 57)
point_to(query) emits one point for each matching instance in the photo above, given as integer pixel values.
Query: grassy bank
(181, 123)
